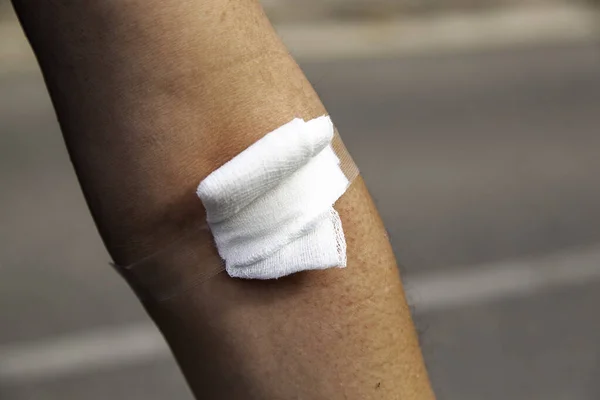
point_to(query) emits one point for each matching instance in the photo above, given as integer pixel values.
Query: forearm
(152, 96)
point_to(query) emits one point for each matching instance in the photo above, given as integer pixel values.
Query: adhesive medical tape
(193, 259)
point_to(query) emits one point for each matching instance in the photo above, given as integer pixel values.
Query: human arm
(152, 96)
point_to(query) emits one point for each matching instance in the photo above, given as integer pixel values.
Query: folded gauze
(270, 209)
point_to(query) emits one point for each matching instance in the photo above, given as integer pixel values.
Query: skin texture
(152, 96)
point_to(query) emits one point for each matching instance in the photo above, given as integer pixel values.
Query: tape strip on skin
(193, 259)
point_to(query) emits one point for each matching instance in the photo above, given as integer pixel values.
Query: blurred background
(476, 125)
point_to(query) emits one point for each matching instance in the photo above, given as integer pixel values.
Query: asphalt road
(476, 161)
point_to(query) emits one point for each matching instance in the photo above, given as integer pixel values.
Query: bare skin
(152, 96)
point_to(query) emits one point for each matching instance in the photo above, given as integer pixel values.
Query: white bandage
(270, 208)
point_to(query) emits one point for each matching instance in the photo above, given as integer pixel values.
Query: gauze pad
(270, 209)
(192, 260)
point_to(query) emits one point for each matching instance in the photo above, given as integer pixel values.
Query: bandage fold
(270, 209)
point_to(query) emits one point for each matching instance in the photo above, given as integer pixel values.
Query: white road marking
(81, 352)
(124, 346)
(504, 280)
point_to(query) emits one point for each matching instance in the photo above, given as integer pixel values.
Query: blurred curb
(449, 32)
(294, 11)
(401, 36)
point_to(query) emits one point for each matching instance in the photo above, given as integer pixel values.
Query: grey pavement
(472, 158)
(478, 157)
